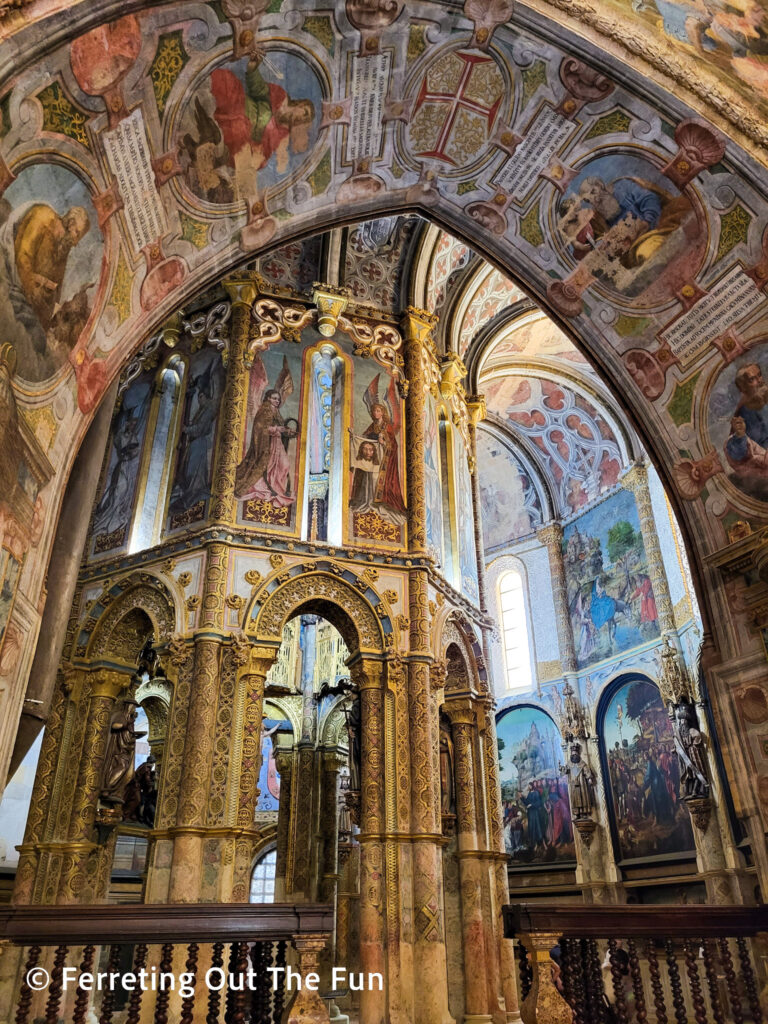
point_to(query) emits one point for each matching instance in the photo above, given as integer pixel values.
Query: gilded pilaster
(636, 480)
(242, 293)
(417, 327)
(552, 536)
(79, 866)
(255, 663)
(332, 761)
(284, 762)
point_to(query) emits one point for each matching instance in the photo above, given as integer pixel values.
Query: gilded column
(552, 536)
(368, 678)
(40, 805)
(80, 854)
(430, 968)
(284, 757)
(242, 293)
(471, 870)
(636, 480)
(332, 761)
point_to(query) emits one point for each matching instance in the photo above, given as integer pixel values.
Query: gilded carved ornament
(253, 576)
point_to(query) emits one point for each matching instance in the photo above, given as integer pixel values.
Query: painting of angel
(375, 457)
(265, 472)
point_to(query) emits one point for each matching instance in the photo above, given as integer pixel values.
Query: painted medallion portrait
(737, 420)
(50, 267)
(535, 802)
(631, 229)
(250, 125)
(649, 816)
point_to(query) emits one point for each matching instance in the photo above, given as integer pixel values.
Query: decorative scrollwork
(382, 342)
(139, 362)
(272, 321)
(211, 325)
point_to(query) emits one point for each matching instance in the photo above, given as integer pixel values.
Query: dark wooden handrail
(672, 921)
(162, 922)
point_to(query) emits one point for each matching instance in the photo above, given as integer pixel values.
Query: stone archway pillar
(367, 674)
(477, 939)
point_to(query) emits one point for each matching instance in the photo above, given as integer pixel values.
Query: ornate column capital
(460, 712)
(331, 303)
(367, 674)
(242, 291)
(550, 534)
(109, 683)
(418, 325)
(477, 409)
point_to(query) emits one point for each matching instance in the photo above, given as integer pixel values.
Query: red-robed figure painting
(376, 458)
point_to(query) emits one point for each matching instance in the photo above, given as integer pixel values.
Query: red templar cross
(456, 107)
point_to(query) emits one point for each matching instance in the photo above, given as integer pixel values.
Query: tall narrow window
(449, 525)
(515, 634)
(263, 878)
(155, 478)
(324, 460)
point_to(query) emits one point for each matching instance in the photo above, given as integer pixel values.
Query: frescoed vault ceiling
(144, 159)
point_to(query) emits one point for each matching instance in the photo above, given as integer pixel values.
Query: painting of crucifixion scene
(649, 816)
(536, 807)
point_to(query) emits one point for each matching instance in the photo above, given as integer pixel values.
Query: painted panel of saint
(738, 421)
(376, 495)
(9, 574)
(265, 480)
(433, 491)
(251, 124)
(50, 266)
(610, 594)
(536, 808)
(644, 775)
(113, 512)
(269, 777)
(510, 505)
(191, 485)
(627, 224)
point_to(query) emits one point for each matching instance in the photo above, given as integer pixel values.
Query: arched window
(156, 463)
(263, 878)
(514, 631)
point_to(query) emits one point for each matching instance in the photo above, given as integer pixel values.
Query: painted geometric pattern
(374, 262)
(494, 293)
(577, 445)
(449, 254)
(456, 108)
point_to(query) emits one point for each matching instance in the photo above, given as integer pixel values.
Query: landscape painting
(650, 818)
(610, 595)
(536, 807)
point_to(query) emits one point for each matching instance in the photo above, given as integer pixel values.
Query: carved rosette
(636, 480)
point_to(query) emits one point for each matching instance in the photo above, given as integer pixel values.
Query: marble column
(636, 480)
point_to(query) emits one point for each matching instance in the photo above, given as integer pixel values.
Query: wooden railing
(645, 964)
(233, 958)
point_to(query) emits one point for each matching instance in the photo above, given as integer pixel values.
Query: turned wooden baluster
(641, 1011)
(710, 969)
(164, 993)
(278, 996)
(620, 1004)
(229, 1003)
(25, 994)
(694, 982)
(526, 971)
(55, 987)
(593, 998)
(260, 993)
(595, 973)
(240, 1000)
(267, 983)
(730, 979)
(108, 998)
(573, 983)
(753, 996)
(678, 1000)
(82, 997)
(134, 1003)
(656, 988)
(188, 1003)
(214, 995)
